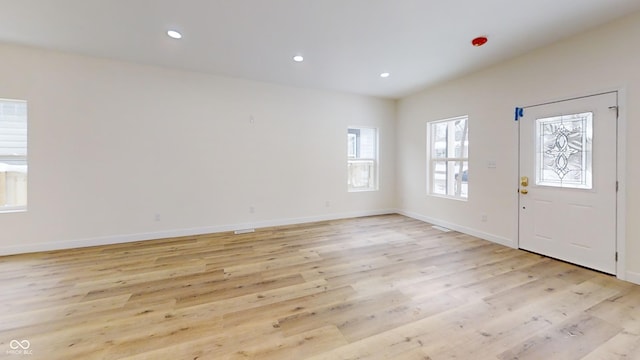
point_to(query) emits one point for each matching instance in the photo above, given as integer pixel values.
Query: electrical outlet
(484, 218)
(252, 209)
(157, 217)
(327, 203)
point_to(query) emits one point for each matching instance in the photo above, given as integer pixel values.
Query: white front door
(567, 205)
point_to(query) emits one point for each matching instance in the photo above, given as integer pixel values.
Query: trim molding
(633, 277)
(621, 195)
(469, 231)
(126, 238)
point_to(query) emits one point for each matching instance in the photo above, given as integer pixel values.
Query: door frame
(621, 172)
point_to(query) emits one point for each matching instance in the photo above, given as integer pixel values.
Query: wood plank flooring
(382, 287)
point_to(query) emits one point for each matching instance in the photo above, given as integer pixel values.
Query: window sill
(360, 190)
(449, 197)
(13, 210)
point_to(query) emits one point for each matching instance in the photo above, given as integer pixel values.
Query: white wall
(112, 144)
(602, 59)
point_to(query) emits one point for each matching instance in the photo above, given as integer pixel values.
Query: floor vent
(244, 231)
(443, 229)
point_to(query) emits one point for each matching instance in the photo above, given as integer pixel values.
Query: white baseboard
(473, 232)
(126, 238)
(632, 277)
(629, 276)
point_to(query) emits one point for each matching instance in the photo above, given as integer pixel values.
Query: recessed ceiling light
(174, 34)
(385, 75)
(298, 58)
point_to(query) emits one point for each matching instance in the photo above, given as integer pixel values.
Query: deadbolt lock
(524, 181)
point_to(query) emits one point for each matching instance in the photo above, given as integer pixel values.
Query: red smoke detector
(479, 41)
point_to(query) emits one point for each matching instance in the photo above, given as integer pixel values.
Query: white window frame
(355, 159)
(452, 180)
(13, 177)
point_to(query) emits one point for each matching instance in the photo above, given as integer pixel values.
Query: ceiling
(346, 43)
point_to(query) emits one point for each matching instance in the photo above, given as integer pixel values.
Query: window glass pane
(361, 174)
(564, 151)
(367, 143)
(439, 140)
(461, 135)
(13, 154)
(439, 178)
(352, 145)
(460, 183)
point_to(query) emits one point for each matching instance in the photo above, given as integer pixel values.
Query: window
(13, 155)
(448, 157)
(362, 159)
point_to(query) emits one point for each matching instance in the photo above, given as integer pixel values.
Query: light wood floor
(383, 287)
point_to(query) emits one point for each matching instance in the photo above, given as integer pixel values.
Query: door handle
(524, 191)
(524, 181)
